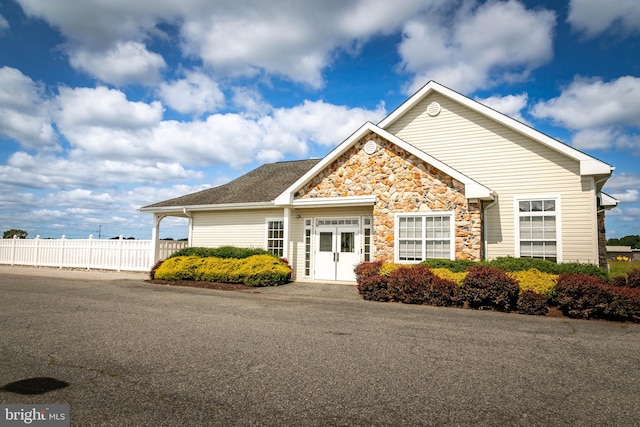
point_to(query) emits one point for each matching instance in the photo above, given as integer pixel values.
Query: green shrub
(522, 264)
(581, 268)
(457, 266)
(221, 252)
(490, 287)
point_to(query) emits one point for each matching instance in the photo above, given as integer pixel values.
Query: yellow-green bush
(257, 270)
(389, 267)
(536, 281)
(445, 273)
(179, 268)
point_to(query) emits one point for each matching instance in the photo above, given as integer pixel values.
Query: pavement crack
(53, 361)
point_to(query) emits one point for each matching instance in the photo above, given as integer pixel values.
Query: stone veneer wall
(402, 183)
(602, 241)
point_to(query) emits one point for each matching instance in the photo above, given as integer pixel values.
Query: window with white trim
(538, 227)
(425, 235)
(275, 236)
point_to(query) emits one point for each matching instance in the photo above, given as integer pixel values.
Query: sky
(110, 105)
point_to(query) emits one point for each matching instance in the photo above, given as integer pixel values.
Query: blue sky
(107, 106)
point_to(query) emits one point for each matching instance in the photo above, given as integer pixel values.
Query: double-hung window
(275, 236)
(424, 235)
(538, 227)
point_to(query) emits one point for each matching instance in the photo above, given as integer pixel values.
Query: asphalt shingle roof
(263, 184)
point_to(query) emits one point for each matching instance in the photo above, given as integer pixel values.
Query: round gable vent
(370, 147)
(433, 109)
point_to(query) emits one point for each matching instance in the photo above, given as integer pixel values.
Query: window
(307, 247)
(422, 236)
(538, 225)
(366, 249)
(275, 236)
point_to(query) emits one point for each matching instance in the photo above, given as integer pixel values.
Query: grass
(620, 268)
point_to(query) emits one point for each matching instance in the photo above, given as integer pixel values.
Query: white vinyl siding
(510, 164)
(242, 228)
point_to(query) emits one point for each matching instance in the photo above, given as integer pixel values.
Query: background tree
(10, 233)
(633, 241)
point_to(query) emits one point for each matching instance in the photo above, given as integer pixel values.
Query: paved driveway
(137, 354)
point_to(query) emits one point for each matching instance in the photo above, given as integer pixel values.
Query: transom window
(538, 224)
(275, 236)
(422, 236)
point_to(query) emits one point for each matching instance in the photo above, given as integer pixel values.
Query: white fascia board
(588, 165)
(286, 197)
(607, 201)
(221, 207)
(473, 189)
(335, 201)
(595, 167)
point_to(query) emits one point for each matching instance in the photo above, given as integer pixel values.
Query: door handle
(337, 256)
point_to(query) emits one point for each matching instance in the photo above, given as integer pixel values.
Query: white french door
(337, 252)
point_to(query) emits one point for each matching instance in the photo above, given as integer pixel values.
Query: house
(442, 176)
(620, 253)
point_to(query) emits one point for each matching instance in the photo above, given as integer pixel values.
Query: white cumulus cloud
(593, 17)
(483, 44)
(24, 111)
(125, 63)
(196, 93)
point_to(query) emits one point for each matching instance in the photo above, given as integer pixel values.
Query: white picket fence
(118, 254)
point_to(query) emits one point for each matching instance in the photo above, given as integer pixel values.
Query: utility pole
(99, 231)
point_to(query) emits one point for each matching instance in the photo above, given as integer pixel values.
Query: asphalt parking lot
(123, 352)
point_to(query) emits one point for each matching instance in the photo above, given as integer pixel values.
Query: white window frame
(557, 214)
(267, 239)
(452, 234)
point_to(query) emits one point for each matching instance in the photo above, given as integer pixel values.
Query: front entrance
(337, 252)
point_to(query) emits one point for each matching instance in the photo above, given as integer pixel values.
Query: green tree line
(633, 241)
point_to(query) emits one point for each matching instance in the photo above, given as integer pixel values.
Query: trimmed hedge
(491, 288)
(457, 266)
(256, 270)
(584, 295)
(533, 303)
(225, 252)
(633, 278)
(374, 288)
(588, 297)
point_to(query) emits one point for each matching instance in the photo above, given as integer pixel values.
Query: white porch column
(285, 225)
(155, 237)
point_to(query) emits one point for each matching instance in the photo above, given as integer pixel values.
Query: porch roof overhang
(327, 202)
(607, 202)
(183, 211)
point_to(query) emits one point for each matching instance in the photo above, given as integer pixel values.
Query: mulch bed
(204, 285)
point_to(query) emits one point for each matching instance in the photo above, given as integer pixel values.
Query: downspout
(484, 226)
(190, 230)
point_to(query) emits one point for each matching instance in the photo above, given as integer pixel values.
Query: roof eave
(214, 207)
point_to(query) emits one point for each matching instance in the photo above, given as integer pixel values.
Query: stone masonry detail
(402, 183)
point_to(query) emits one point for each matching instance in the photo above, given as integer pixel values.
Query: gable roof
(260, 186)
(473, 189)
(588, 165)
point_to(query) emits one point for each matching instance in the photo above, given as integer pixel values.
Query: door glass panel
(326, 241)
(347, 241)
